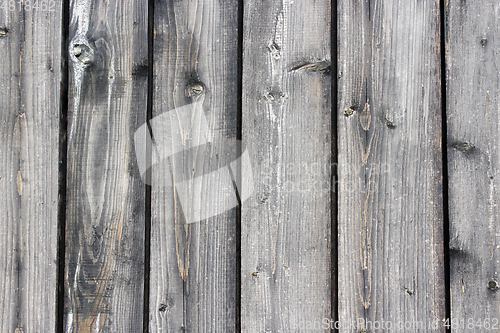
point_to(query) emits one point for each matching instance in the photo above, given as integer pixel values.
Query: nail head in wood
(83, 53)
(275, 50)
(349, 112)
(269, 96)
(493, 285)
(194, 88)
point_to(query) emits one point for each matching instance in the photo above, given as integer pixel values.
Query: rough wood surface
(30, 54)
(473, 142)
(105, 195)
(286, 235)
(390, 182)
(193, 266)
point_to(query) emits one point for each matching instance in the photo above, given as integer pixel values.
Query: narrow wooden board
(473, 143)
(30, 75)
(193, 266)
(104, 274)
(390, 164)
(286, 224)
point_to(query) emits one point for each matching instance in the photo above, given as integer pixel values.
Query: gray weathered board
(193, 277)
(390, 183)
(281, 271)
(30, 44)
(108, 58)
(473, 118)
(286, 224)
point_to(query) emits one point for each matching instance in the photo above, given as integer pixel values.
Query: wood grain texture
(30, 48)
(473, 160)
(390, 163)
(105, 195)
(193, 266)
(286, 224)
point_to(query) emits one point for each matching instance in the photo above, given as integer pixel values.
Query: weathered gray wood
(30, 47)
(286, 235)
(390, 164)
(105, 195)
(473, 161)
(193, 266)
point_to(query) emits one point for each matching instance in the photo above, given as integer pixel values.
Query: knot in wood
(464, 147)
(3, 32)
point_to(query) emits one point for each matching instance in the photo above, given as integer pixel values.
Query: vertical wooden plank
(30, 75)
(285, 246)
(10, 30)
(473, 162)
(390, 164)
(193, 265)
(105, 195)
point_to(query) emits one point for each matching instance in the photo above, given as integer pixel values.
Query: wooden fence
(372, 128)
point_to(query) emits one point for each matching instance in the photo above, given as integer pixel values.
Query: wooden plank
(286, 224)
(390, 164)
(30, 75)
(473, 158)
(104, 274)
(193, 265)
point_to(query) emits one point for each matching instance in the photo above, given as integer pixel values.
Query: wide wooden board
(193, 277)
(104, 272)
(286, 224)
(391, 265)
